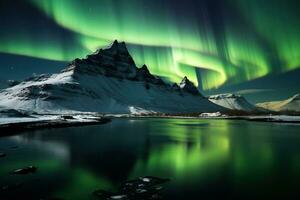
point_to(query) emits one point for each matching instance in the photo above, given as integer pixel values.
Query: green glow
(180, 160)
(161, 61)
(264, 41)
(47, 45)
(157, 31)
(263, 161)
(279, 25)
(248, 54)
(81, 183)
(111, 20)
(190, 151)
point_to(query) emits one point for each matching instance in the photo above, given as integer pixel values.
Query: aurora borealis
(215, 43)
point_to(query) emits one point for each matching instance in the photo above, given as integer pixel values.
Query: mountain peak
(115, 61)
(118, 47)
(112, 61)
(296, 97)
(185, 81)
(188, 86)
(144, 74)
(145, 69)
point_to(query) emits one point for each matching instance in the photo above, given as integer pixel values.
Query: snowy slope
(292, 104)
(107, 81)
(232, 102)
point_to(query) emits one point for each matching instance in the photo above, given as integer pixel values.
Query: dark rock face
(188, 86)
(2, 155)
(176, 87)
(114, 61)
(144, 74)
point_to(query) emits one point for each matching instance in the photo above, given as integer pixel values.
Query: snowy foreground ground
(14, 123)
(40, 118)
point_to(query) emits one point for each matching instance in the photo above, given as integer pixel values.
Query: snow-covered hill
(107, 81)
(232, 102)
(289, 105)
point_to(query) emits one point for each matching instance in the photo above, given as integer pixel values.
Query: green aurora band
(247, 39)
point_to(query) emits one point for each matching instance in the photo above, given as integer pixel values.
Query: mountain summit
(188, 86)
(113, 61)
(107, 81)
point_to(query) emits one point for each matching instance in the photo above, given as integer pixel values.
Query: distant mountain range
(107, 81)
(233, 102)
(291, 104)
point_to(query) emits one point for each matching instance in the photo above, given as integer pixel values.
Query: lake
(204, 158)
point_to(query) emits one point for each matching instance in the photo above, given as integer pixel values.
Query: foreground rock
(143, 188)
(2, 155)
(26, 170)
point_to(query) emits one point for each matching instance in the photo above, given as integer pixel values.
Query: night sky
(251, 47)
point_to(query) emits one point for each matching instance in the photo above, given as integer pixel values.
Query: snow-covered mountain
(188, 86)
(289, 105)
(107, 81)
(232, 102)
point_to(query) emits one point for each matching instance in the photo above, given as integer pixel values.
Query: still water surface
(205, 159)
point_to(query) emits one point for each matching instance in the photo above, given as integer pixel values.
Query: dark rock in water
(2, 155)
(109, 195)
(143, 188)
(26, 170)
(11, 187)
(65, 117)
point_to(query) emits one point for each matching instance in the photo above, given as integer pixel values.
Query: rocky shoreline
(61, 122)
